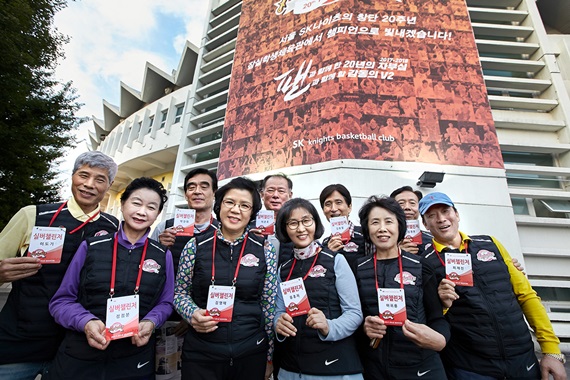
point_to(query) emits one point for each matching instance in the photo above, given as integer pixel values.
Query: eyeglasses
(294, 224)
(244, 207)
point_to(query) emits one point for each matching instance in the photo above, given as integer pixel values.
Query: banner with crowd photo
(321, 80)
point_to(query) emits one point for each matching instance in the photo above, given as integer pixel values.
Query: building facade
(175, 124)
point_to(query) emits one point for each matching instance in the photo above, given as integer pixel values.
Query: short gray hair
(96, 159)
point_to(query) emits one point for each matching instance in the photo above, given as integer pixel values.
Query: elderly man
(276, 189)
(199, 188)
(489, 336)
(409, 200)
(29, 337)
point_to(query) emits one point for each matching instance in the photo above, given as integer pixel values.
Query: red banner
(321, 80)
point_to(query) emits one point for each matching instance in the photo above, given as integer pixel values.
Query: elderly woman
(316, 343)
(398, 292)
(127, 272)
(235, 271)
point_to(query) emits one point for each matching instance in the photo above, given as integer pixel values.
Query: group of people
(373, 304)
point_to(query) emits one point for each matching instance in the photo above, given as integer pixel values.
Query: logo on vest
(409, 279)
(249, 260)
(317, 271)
(101, 233)
(350, 247)
(484, 255)
(150, 266)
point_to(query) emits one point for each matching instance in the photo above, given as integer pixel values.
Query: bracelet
(560, 357)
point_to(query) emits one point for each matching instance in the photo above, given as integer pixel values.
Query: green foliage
(37, 112)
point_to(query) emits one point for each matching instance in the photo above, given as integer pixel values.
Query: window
(528, 179)
(179, 111)
(520, 207)
(163, 120)
(150, 123)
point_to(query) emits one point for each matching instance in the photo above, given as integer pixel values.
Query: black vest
(247, 320)
(96, 275)
(27, 330)
(486, 321)
(394, 349)
(306, 352)
(354, 249)
(95, 285)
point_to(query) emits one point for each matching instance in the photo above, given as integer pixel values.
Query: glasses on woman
(294, 224)
(245, 207)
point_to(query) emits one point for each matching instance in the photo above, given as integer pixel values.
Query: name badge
(392, 306)
(184, 220)
(295, 297)
(122, 317)
(413, 231)
(458, 268)
(46, 244)
(340, 227)
(221, 302)
(265, 221)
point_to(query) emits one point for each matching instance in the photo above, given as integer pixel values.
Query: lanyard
(114, 268)
(238, 263)
(399, 265)
(439, 257)
(309, 271)
(76, 229)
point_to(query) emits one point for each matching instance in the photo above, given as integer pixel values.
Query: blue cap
(434, 199)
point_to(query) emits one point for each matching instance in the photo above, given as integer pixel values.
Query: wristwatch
(560, 357)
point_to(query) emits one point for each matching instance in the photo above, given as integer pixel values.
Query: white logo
(331, 362)
(529, 368)
(420, 374)
(249, 260)
(142, 365)
(486, 256)
(259, 341)
(151, 266)
(409, 279)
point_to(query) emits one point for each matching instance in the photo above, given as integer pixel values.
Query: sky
(111, 41)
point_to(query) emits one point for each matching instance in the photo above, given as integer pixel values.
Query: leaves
(37, 112)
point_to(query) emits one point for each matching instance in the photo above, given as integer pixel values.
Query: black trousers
(250, 367)
(429, 369)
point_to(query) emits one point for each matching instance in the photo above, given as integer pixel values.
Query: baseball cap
(434, 199)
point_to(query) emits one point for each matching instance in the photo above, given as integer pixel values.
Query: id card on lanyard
(458, 268)
(46, 243)
(294, 292)
(295, 297)
(391, 302)
(122, 315)
(220, 304)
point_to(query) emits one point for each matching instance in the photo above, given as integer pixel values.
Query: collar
(235, 242)
(78, 213)
(440, 247)
(126, 243)
(309, 251)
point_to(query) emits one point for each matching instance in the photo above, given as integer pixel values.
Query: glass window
(520, 207)
(150, 123)
(179, 111)
(528, 179)
(163, 120)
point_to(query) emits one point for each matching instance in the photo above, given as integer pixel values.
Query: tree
(37, 112)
